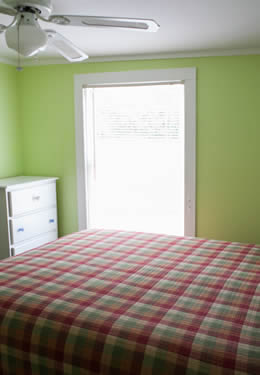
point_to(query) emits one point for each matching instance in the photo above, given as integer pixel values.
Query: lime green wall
(228, 136)
(10, 140)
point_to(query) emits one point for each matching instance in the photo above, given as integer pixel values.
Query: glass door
(135, 158)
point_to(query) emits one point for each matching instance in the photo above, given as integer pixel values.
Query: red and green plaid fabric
(123, 303)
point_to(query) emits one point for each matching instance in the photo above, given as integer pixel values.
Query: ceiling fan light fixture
(26, 36)
(2, 28)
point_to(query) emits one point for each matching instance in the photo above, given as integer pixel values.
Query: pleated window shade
(138, 112)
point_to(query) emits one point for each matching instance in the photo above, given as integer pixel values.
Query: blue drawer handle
(51, 221)
(20, 230)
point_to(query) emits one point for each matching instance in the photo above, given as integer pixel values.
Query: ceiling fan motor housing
(43, 6)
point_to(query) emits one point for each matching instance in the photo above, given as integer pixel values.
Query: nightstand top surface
(21, 180)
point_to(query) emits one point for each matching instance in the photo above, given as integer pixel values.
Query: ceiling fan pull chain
(19, 67)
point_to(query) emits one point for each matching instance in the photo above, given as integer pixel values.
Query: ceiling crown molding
(7, 61)
(157, 56)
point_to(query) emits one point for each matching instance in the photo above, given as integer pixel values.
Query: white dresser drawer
(39, 241)
(26, 227)
(35, 198)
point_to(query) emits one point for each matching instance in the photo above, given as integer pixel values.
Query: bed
(125, 303)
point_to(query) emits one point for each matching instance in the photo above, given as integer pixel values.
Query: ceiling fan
(25, 35)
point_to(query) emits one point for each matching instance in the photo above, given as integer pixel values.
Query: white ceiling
(187, 26)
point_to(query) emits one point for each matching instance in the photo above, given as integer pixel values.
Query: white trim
(80, 154)
(41, 61)
(8, 61)
(133, 77)
(190, 158)
(186, 75)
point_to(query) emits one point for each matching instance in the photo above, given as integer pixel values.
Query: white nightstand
(28, 214)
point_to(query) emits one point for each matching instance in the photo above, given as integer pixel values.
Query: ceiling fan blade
(8, 11)
(65, 47)
(113, 22)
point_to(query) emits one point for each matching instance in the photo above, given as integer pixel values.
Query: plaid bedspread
(121, 303)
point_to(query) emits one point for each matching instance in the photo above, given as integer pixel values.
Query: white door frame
(186, 76)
